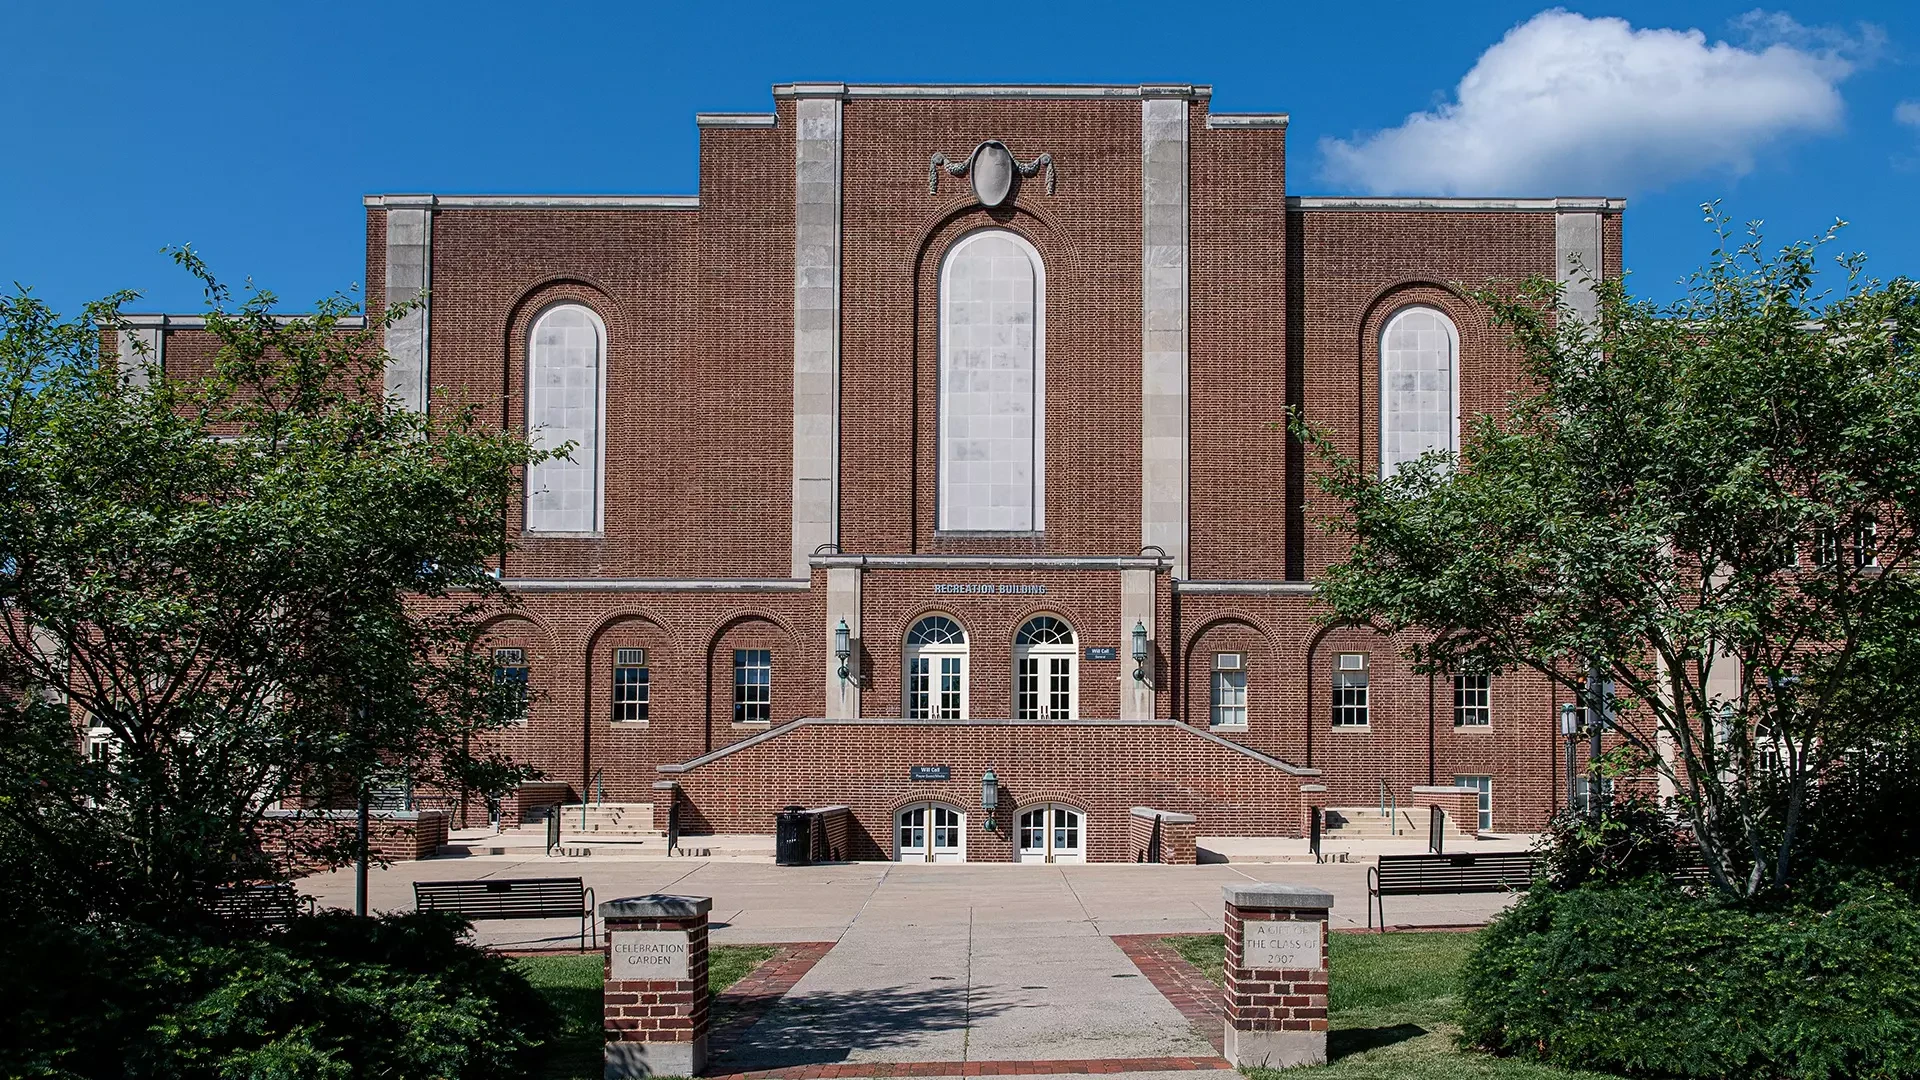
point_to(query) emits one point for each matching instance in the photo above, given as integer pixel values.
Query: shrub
(334, 996)
(1646, 980)
(1631, 839)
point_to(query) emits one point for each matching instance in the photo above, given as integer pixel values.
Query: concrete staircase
(1364, 824)
(597, 820)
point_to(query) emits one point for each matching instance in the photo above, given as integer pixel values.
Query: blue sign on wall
(929, 772)
(1102, 652)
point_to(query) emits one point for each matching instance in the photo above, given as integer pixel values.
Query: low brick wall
(1461, 805)
(1174, 844)
(305, 840)
(538, 794)
(831, 829)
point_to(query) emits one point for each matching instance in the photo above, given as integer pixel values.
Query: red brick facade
(1283, 303)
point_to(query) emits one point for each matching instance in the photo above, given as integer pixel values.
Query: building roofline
(1417, 203)
(735, 120)
(1241, 121)
(992, 90)
(535, 202)
(153, 321)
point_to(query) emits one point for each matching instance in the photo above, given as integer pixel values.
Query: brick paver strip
(1197, 997)
(1083, 1067)
(741, 1005)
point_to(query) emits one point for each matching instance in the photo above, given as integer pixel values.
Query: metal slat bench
(1431, 875)
(512, 898)
(256, 907)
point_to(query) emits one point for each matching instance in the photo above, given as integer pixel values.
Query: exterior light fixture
(1139, 651)
(989, 797)
(843, 647)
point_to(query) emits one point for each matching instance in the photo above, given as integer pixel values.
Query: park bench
(256, 907)
(1430, 875)
(512, 898)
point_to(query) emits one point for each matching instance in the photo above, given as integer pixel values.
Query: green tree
(261, 583)
(1714, 498)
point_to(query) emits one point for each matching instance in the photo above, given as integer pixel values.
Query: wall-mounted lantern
(1139, 651)
(989, 797)
(843, 647)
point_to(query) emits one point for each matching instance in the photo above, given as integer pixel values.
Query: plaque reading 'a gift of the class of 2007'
(1280, 944)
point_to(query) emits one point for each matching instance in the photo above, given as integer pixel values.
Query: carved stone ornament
(992, 166)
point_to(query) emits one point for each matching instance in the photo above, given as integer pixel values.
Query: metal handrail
(598, 783)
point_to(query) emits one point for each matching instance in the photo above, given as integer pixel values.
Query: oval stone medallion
(992, 173)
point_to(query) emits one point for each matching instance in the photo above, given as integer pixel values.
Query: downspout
(1430, 728)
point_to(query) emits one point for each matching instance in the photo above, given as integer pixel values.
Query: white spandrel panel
(991, 398)
(563, 406)
(1418, 404)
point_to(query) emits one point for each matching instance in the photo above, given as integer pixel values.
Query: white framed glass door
(930, 832)
(1044, 683)
(1052, 832)
(936, 667)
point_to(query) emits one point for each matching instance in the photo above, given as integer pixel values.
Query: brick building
(984, 385)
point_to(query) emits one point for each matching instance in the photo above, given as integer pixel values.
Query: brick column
(1276, 975)
(656, 995)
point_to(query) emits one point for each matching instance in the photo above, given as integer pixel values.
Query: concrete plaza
(973, 963)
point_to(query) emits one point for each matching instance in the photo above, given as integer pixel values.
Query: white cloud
(1567, 105)
(1908, 113)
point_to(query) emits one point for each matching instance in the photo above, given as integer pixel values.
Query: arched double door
(932, 832)
(1051, 832)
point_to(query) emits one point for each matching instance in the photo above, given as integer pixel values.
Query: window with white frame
(1484, 785)
(1350, 672)
(632, 686)
(1866, 543)
(566, 403)
(936, 667)
(992, 391)
(752, 686)
(1044, 661)
(1419, 387)
(1472, 699)
(510, 672)
(1229, 690)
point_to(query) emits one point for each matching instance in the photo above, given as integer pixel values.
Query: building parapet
(534, 202)
(1562, 204)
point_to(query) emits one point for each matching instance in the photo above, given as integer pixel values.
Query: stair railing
(599, 786)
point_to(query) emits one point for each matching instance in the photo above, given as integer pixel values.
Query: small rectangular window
(1472, 700)
(1350, 690)
(752, 686)
(632, 686)
(1484, 784)
(1866, 544)
(510, 678)
(1229, 690)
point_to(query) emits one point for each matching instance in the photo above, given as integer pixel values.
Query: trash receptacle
(791, 846)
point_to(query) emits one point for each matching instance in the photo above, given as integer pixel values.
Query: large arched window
(566, 403)
(1419, 387)
(936, 667)
(993, 319)
(1044, 683)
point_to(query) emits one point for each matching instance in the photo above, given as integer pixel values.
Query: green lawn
(1391, 1006)
(573, 984)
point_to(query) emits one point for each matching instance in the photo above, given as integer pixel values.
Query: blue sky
(252, 130)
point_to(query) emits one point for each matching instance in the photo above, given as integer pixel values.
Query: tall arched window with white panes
(936, 666)
(993, 318)
(1045, 686)
(1419, 387)
(566, 403)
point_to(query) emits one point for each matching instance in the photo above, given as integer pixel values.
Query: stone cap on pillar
(656, 906)
(1267, 895)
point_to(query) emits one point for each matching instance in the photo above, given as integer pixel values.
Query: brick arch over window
(1472, 379)
(1242, 635)
(991, 385)
(566, 403)
(527, 308)
(629, 630)
(788, 690)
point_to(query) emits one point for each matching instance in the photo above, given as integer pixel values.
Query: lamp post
(989, 797)
(1139, 651)
(843, 647)
(1569, 732)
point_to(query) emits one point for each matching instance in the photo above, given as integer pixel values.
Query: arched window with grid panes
(1046, 684)
(1419, 386)
(936, 670)
(566, 403)
(992, 423)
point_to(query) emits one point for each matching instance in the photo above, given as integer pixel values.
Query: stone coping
(349, 815)
(656, 906)
(1170, 817)
(1274, 895)
(1444, 790)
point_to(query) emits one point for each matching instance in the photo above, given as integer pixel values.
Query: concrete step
(596, 819)
(1365, 823)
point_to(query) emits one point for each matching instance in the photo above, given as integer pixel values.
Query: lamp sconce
(1139, 651)
(843, 647)
(1569, 724)
(989, 797)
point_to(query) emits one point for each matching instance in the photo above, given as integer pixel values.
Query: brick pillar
(656, 996)
(1276, 975)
